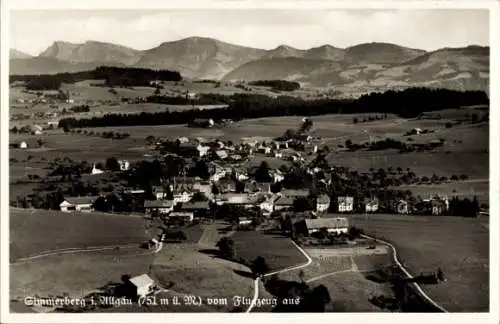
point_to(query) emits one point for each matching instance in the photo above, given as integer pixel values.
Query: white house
(371, 205)
(159, 192)
(124, 165)
(144, 285)
(277, 175)
(322, 203)
(96, 170)
(345, 204)
(183, 139)
(159, 206)
(81, 204)
(202, 149)
(23, 145)
(182, 197)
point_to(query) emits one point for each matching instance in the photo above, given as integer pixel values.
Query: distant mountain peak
(15, 54)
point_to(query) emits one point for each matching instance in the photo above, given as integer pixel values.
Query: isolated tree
(112, 164)
(355, 120)
(262, 173)
(259, 266)
(150, 139)
(40, 142)
(302, 276)
(226, 247)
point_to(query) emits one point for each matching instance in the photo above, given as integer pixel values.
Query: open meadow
(34, 232)
(424, 244)
(279, 252)
(75, 274)
(192, 272)
(341, 270)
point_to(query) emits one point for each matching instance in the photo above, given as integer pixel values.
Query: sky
(32, 31)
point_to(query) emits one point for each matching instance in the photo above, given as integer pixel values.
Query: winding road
(257, 280)
(354, 268)
(409, 275)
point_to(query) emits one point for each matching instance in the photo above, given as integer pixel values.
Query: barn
(335, 225)
(82, 204)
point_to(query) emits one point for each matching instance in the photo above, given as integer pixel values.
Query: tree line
(407, 103)
(113, 76)
(280, 85)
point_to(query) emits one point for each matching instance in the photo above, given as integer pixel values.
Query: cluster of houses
(226, 151)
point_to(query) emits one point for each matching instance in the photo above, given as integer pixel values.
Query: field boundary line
(256, 281)
(408, 274)
(71, 250)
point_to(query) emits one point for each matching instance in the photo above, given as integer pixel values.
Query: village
(210, 177)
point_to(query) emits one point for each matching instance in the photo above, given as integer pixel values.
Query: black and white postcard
(303, 158)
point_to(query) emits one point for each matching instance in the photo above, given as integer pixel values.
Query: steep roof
(158, 203)
(296, 192)
(338, 222)
(81, 200)
(142, 280)
(195, 205)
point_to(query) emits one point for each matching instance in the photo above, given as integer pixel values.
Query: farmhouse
(335, 225)
(83, 204)
(204, 187)
(143, 284)
(439, 205)
(199, 122)
(158, 206)
(198, 208)
(322, 203)
(284, 202)
(23, 145)
(371, 205)
(240, 199)
(345, 204)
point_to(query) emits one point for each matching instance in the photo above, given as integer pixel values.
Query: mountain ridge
(324, 65)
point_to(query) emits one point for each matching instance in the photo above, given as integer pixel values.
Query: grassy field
(459, 246)
(279, 252)
(343, 275)
(37, 231)
(469, 188)
(76, 274)
(196, 273)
